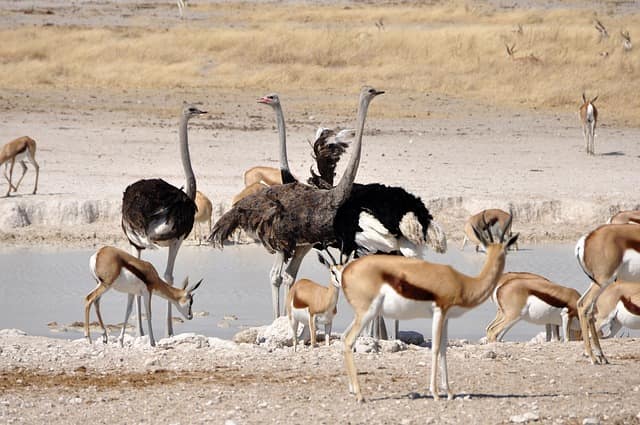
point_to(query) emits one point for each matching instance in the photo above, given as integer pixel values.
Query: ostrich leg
(168, 277)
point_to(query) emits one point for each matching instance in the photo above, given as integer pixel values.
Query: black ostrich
(157, 214)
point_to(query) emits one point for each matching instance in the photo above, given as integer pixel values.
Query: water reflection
(39, 287)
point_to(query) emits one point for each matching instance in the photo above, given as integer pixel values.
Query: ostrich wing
(154, 211)
(281, 217)
(327, 154)
(389, 206)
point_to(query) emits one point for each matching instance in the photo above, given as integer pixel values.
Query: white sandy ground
(194, 379)
(461, 159)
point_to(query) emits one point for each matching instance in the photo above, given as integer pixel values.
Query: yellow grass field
(456, 50)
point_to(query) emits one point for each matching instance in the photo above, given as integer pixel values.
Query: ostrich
(288, 219)
(155, 213)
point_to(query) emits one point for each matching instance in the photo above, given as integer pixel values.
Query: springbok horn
(185, 282)
(195, 286)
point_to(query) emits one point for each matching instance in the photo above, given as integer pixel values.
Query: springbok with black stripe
(408, 288)
(534, 299)
(18, 150)
(113, 268)
(609, 253)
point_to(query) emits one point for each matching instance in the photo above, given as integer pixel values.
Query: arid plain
(99, 86)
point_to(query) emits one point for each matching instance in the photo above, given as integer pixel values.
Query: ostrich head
(271, 99)
(189, 111)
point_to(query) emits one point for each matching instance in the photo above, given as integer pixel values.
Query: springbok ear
(185, 282)
(512, 240)
(594, 99)
(584, 98)
(195, 286)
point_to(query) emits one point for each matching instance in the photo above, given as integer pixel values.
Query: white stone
(276, 335)
(525, 417)
(591, 421)
(367, 344)
(12, 332)
(223, 344)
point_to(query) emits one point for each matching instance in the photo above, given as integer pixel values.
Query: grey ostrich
(289, 219)
(157, 214)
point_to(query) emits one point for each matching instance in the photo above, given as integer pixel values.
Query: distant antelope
(626, 41)
(529, 59)
(113, 268)
(494, 219)
(18, 150)
(310, 303)
(534, 299)
(602, 31)
(204, 211)
(589, 119)
(625, 217)
(618, 306)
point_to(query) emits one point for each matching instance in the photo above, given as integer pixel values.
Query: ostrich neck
(343, 188)
(190, 187)
(285, 172)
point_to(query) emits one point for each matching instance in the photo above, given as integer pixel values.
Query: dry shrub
(454, 49)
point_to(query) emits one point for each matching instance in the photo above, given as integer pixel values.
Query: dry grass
(455, 50)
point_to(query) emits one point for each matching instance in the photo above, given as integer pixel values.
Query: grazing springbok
(113, 268)
(408, 288)
(204, 211)
(626, 41)
(534, 299)
(618, 306)
(625, 217)
(492, 219)
(609, 253)
(589, 119)
(310, 303)
(17, 151)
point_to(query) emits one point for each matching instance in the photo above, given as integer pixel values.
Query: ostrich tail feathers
(411, 229)
(436, 238)
(223, 229)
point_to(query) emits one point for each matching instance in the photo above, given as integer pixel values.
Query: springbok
(534, 299)
(408, 288)
(204, 211)
(589, 119)
(618, 306)
(494, 219)
(609, 253)
(310, 303)
(113, 268)
(17, 151)
(625, 217)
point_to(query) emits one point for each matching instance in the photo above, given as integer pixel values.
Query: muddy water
(40, 287)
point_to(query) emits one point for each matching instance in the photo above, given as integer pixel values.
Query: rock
(185, 339)
(367, 344)
(411, 337)
(540, 338)
(223, 343)
(247, 336)
(152, 362)
(276, 335)
(489, 355)
(525, 417)
(392, 346)
(12, 332)
(591, 421)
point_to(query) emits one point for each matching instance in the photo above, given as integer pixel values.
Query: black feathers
(147, 204)
(387, 204)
